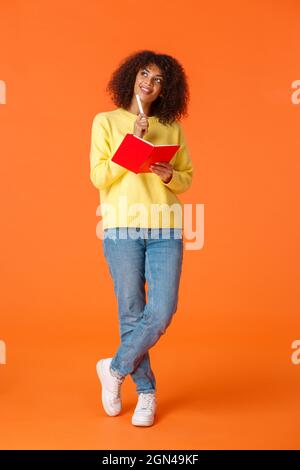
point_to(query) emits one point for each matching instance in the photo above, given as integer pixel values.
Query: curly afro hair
(168, 108)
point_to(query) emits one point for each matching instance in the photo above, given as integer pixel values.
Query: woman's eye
(159, 79)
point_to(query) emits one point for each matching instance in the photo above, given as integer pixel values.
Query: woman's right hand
(141, 125)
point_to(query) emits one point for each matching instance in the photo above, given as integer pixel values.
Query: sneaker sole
(137, 422)
(99, 368)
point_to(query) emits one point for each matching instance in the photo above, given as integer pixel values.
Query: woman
(141, 246)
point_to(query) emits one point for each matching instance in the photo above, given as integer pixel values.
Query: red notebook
(137, 154)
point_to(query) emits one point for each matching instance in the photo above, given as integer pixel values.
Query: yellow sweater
(128, 199)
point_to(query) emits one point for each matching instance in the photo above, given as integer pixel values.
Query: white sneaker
(145, 410)
(111, 387)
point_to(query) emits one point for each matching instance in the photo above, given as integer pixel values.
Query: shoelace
(117, 388)
(146, 400)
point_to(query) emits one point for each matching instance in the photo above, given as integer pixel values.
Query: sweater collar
(134, 116)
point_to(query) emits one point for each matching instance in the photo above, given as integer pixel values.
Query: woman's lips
(146, 91)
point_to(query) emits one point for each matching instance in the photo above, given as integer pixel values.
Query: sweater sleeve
(103, 171)
(182, 167)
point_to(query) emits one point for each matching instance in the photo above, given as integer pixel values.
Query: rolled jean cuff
(116, 373)
(146, 391)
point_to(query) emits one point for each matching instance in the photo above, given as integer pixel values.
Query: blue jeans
(149, 257)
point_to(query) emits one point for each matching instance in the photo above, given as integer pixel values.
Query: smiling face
(148, 83)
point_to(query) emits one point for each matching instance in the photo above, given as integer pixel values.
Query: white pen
(139, 103)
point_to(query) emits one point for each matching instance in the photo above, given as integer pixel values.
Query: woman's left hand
(164, 170)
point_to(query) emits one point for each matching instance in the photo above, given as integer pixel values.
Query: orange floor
(50, 399)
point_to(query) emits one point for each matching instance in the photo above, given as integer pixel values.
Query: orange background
(224, 373)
